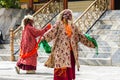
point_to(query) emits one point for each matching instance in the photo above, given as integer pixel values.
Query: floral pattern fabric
(63, 44)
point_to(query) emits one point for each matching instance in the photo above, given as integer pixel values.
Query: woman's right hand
(47, 27)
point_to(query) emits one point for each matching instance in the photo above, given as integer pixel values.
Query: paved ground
(7, 72)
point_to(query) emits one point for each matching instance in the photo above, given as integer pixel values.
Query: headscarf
(67, 13)
(59, 17)
(30, 17)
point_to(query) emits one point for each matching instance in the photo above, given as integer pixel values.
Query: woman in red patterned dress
(28, 47)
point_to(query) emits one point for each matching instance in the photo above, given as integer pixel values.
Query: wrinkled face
(67, 15)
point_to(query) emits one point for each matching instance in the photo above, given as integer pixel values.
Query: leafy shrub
(9, 4)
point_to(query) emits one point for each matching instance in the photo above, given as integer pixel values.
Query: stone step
(83, 61)
(91, 59)
(107, 35)
(77, 6)
(96, 61)
(111, 15)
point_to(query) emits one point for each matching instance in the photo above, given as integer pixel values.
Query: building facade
(113, 4)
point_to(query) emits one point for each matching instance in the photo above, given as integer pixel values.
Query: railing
(87, 20)
(91, 15)
(42, 17)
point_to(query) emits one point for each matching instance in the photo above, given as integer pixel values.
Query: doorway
(117, 5)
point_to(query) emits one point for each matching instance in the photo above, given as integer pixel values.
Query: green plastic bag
(93, 41)
(45, 46)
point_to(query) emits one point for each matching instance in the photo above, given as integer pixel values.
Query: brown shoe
(17, 69)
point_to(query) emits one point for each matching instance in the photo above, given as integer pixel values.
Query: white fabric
(25, 17)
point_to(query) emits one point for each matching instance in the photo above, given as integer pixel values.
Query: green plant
(9, 4)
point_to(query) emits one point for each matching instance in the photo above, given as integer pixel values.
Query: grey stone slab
(2, 46)
(105, 27)
(116, 57)
(9, 79)
(43, 73)
(95, 61)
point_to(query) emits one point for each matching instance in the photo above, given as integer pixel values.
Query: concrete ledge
(96, 61)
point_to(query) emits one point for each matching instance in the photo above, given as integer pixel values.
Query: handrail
(35, 14)
(42, 7)
(15, 31)
(91, 15)
(85, 11)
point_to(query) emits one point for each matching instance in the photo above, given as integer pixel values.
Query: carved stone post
(12, 57)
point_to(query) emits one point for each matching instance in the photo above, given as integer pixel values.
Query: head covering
(26, 17)
(67, 13)
(62, 14)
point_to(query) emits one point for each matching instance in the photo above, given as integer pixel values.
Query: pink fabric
(70, 72)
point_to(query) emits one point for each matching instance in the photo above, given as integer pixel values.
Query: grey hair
(26, 17)
(59, 17)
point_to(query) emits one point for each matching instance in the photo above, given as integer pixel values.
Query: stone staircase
(107, 33)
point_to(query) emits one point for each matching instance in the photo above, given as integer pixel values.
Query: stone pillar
(65, 4)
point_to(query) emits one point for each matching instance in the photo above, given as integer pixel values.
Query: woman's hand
(47, 27)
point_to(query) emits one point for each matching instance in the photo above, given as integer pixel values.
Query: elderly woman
(28, 47)
(65, 46)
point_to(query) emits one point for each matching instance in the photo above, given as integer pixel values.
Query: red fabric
(34, 50)
(26, 55)
(25, 62)
(66, 74)
(29, 45)
(29, 36)
(26, 67)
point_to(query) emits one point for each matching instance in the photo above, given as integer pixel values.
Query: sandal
(17, 70)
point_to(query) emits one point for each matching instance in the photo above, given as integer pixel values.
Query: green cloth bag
(45, 46)
(93, 41)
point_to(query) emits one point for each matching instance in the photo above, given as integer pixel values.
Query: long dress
(66, 73)
(28, 43)
(65, 49)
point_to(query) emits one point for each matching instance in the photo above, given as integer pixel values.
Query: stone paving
(7, 72)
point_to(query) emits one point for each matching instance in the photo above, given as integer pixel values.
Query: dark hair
(27, 21)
